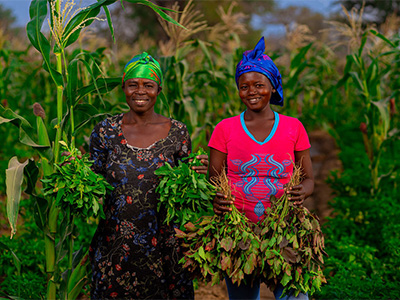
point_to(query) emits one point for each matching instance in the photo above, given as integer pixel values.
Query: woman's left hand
(204, 160)
(297, 194)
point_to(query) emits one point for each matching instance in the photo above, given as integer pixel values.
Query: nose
(252, 90)
(140, 89)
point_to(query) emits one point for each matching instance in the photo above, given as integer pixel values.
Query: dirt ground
(324, 158)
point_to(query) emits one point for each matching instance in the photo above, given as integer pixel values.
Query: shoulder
(178, 124)
(289, 121)
(110, 121)
(229, 122)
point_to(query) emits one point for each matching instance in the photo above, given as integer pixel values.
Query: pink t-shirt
(257, 170)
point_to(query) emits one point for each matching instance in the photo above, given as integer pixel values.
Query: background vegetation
(340, 75)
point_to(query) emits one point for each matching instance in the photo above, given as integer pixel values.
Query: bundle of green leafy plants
(221, 246)
(287, 247)
(75, 186)
(185, 195)
(292, 245)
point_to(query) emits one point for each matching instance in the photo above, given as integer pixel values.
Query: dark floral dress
(134, 255)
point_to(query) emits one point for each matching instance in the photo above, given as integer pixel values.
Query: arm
(217, 164)
(300, 192)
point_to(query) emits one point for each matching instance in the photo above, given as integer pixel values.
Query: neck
(266, 114)
(134, 118)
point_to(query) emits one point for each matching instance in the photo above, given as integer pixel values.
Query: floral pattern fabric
(134, 255)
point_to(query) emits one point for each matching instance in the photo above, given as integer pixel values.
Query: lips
(140, 101)
(254, 100)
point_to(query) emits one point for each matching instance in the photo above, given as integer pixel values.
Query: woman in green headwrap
(133, 254)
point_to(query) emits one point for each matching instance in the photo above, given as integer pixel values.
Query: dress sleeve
(218, 138)
(184, 146)
(303, 141)
(98, 150)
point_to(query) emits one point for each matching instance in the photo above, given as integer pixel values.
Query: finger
(199, 168)
(202, 156)
(205, 162)
(217, 211)
(296, 198)
(299, 203)
(222, 208)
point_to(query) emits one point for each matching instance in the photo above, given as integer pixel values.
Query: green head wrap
(143, 66)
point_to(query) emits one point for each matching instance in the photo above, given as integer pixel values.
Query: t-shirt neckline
(271, 134)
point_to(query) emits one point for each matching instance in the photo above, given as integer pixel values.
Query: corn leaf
(37, 13)
(25, 131)
(14, 178)
(82, 19)
(16, 260)
(158, 10)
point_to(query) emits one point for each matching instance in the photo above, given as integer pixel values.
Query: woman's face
(141, 94)
(255, 90)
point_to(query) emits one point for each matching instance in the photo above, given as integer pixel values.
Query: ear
(159, 90)
(273, 90)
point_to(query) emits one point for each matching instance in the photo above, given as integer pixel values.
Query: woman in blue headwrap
(257, 149)
(134, 255)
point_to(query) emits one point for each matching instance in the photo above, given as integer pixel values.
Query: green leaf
(82, 19)
(382, 106)
(25, 131)
(14, 178)
(158, 10)
(37, 13)
(100, 85)
(383, 38)
(16, 260)
(227, 243)
(109, 21)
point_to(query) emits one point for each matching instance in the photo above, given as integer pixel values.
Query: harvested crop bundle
(220, 246)
(185, 195)
(76, 188)
(292, 245)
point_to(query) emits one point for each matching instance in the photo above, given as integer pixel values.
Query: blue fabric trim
(271, 134)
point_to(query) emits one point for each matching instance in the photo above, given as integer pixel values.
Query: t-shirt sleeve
(303, 141)
(218, 138)
(98, 150)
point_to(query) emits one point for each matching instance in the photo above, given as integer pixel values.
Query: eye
(259, 85)
(243, 87)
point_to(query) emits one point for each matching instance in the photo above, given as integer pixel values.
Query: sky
(20, 8)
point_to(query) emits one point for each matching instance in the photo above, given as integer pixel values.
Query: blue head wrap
(256, 61)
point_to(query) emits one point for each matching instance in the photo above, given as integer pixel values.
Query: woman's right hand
(221, 204)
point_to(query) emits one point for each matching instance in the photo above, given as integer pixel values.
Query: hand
(221, 204)
(204, 160)
(296, 193)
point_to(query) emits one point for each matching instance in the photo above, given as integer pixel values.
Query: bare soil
(324, 158)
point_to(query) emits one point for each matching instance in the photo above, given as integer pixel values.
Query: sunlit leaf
(14, 178)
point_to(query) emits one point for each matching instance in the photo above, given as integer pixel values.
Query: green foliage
(220, 246)
(26, 278)
(293, 247)
(185, 195)
(76, 187)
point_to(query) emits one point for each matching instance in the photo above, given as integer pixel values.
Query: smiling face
(255, 90)
(141, 94)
